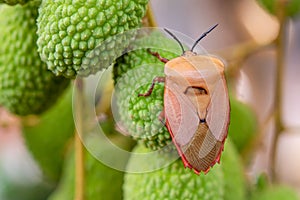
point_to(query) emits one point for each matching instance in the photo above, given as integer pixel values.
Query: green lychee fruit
(171, 182)
(72, 33)
(133, 75)
(26, 86)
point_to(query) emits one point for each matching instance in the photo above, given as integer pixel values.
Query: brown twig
(79, 173)
(150, 16)
(280, 60)
(79, 148)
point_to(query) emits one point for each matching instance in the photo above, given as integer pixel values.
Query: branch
(280, 60)
(150, 16)
(79, 148)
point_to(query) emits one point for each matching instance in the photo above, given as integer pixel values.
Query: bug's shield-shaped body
(196, 108)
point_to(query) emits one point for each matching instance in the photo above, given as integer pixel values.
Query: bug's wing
(197, 146)
(212, 71)
(213, 133)
(180, 115)
(218, 110)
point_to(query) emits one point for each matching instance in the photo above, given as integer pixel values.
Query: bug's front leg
(156, 54)
(158, 79)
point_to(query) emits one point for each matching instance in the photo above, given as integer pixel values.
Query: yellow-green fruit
(171, 182)
(140, 114)
(26, 86)
(133, 74)
(140, 56)
(14, 2)
(70, 30)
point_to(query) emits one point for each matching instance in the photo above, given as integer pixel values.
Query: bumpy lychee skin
(70, 30)
(170, 182)
(133, 75)
(140, 115)
(26, 86)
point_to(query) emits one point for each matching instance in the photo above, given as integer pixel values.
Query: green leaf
(47, 139)
(101, 181)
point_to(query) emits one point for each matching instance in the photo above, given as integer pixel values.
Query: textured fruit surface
(14, 2)
(292, 7)
(139, 115)
(101, 181)
(243, 124)
(133, 74)
(171, 182)
(155, 42)
(26, 86)
(69, 31)
(41, 139)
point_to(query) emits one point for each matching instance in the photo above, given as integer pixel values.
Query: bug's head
(191, 51)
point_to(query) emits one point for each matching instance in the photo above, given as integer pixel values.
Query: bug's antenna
(175, 38)
(203, 35)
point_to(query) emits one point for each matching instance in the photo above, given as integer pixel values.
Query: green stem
(280, 60)
(79, 148)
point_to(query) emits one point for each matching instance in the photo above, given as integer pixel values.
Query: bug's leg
(158, 79)
(156, 54)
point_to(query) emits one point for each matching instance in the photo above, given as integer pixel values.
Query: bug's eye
(195, 90)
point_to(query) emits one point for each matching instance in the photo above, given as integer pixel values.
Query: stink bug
(196, 106)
